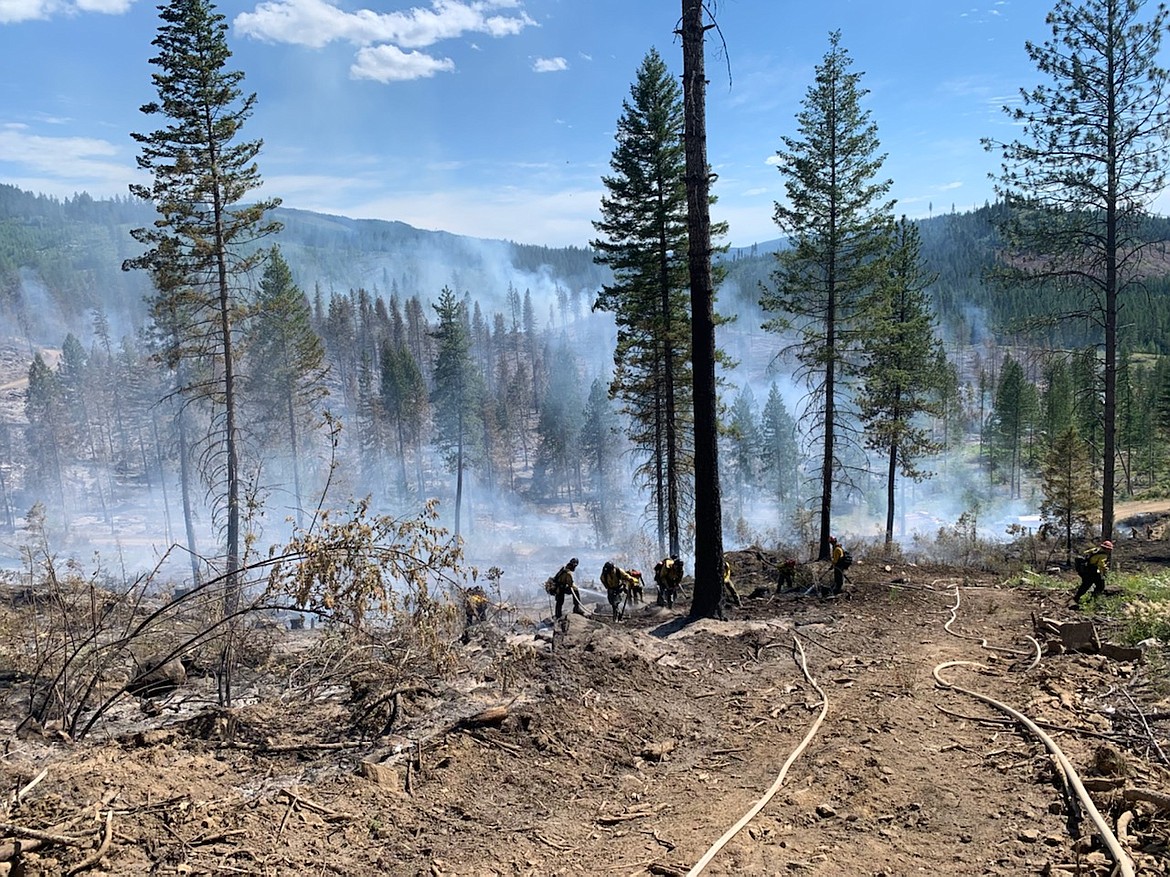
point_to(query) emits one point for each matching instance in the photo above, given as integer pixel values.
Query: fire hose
(1125, 866)
(775, 787)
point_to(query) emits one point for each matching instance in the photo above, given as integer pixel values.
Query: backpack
(845, 562)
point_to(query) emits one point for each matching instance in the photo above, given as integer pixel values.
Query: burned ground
(629, 748)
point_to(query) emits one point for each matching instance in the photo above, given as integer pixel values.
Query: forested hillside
(93, 437)
(960, 248)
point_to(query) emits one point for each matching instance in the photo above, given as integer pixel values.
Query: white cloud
(316, 23)
(64, 166)
(381, 36)
(391, 64)
(549, 65)
(44, 153)
(15, 11)
(106, 7)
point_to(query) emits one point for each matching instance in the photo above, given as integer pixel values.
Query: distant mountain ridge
(61, 260)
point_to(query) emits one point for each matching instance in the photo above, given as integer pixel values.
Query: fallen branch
(625, 817)
(487, 741)
(96, 856)
(308, 746)
(1149, 732)
(1159, 799)
(319, 809)
(46, 836)
(1051, 726)
(32, 784)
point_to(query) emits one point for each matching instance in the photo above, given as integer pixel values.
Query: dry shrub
(383, 584)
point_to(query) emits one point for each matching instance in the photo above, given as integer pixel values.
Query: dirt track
(630, 748)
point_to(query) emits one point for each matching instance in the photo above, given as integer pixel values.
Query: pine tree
(201, 248)
(838, 220)
(600, 450)
(1069, 492)
(1090, 158)
(558, 456)
(1012, 414)
(405, 404)
(643, 238)
(456, 393)
(286, 367)
(1057, 399)
(780, 454)
(744, 442)
(47, 428)
(701, 233)
(899, 370)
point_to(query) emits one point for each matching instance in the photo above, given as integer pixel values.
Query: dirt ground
(630, 748)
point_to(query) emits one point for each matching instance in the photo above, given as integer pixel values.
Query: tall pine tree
(202, 247)
(838, 218)
(900, 366)
(287, 368)
(1090, 157)
(456, 392)
(643, 238)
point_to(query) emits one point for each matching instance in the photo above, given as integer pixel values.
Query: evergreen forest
(402, 333)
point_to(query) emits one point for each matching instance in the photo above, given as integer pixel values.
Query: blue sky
(495, 118)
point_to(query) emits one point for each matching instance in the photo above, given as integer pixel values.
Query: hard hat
(1107, 545)
(573, 561)
(833, 540)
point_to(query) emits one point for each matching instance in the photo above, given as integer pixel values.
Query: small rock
(1029, 836)
(825, 811)
(380, 774)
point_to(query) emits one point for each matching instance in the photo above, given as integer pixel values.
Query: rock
(657, 751)
(381, 775)
(157, 676)
(1124, 654)
(825, 811)
(1029, 836)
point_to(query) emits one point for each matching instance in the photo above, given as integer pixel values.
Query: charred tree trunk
(708, 502)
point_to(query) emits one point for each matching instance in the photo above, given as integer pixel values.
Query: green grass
(1137, 606)
(1141, 610)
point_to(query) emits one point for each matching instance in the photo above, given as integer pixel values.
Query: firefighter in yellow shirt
(1092, 566)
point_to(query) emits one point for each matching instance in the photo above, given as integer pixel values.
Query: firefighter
(786, 575)
(475, 605)
(730, 594)
(668, 575)
(1092, 566)
(839, 561)
(621, 586)
(563, 584)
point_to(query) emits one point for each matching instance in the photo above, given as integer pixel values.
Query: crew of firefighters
(625, 588)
